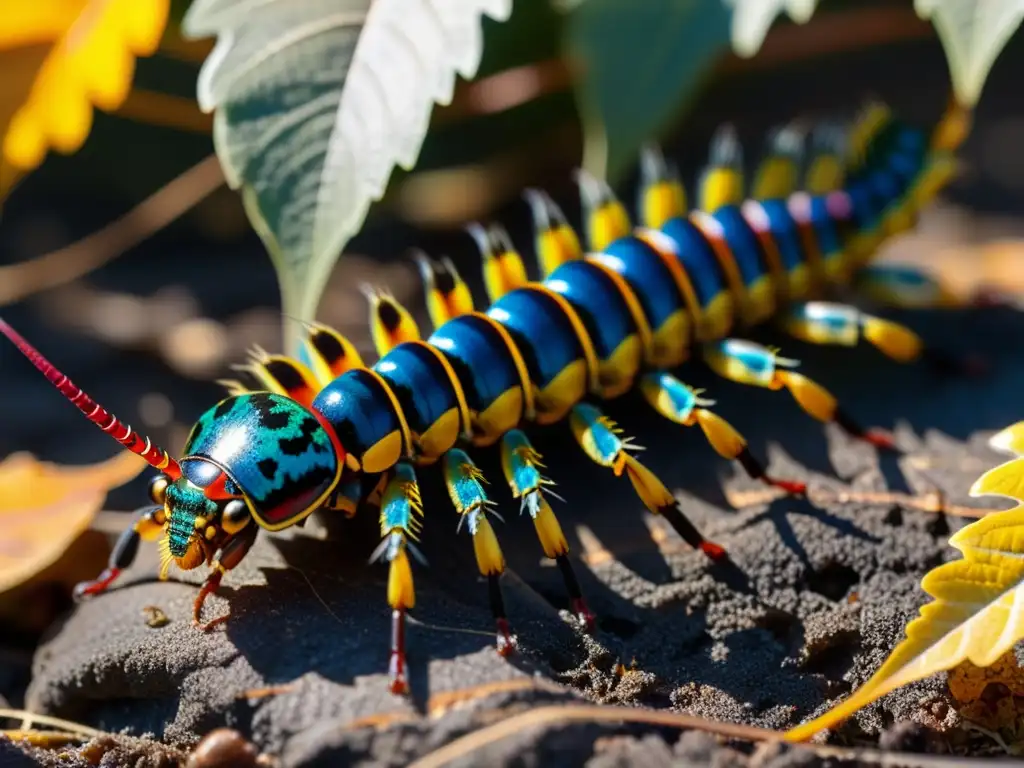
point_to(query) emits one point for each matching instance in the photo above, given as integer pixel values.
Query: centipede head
(257, 457)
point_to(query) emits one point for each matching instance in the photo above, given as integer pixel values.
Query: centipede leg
(465, 487)
(747, 362)
(400, 520)
(147, 525)
(601, 440)
(522, 465)
(230, 555)
(682, 404)
(822, 322)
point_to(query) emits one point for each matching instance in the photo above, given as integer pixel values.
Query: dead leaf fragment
(44, 507)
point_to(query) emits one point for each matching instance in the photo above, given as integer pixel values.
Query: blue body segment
(698, 259)
(743, 243)
(480, 358)
(541, 331)
(647, 275)
(886, 186)
(909, 155)
(866, 208)
(826, 229)
(420, 382)
(359, 410)
(597, 300)
(784, 232)
(272, 447)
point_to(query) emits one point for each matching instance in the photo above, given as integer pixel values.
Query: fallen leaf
(60, 58)
(975, 616)
(44, 507)
(1009, 440)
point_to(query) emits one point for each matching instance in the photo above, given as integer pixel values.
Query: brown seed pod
(224, 748)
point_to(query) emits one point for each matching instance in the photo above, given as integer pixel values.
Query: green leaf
(974, 33)
(316, 101)
(752, 18)
(640, 60)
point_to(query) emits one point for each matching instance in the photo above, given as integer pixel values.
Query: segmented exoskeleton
(329, 432)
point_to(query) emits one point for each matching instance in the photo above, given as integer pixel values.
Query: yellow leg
(390, 322)
(503, 266)
(822, 322)
(679, 403)
(465, 486)
(606, 218)
(601, 440)
(401, 513)
(522, 466)
(448, 295)
(747, 362)
(276, 373)
(662, 196)
(554, 239)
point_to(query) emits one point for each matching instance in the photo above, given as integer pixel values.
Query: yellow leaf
(978, 611)
(45, 507)
(1009, 440)
(59, 59)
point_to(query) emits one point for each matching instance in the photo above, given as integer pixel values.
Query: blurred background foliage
(518, 123)
(519, 116)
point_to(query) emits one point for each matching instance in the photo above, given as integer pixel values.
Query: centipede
(326, 431)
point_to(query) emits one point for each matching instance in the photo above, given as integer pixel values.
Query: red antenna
(94, 412)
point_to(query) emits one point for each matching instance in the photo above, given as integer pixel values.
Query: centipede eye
(234, 517)
(158, 488)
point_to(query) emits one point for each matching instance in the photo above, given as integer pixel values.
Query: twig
(934, 502)
(165, 110)
(266, 693)
(45, 739)
(471, 742)
(27, 718)
(552, 715)
(442, 702)
(81, 257)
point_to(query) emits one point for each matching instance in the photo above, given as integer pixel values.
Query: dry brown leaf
(44, 507)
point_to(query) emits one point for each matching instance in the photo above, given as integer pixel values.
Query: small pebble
(155, 617)
(224, 748)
